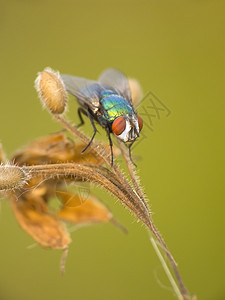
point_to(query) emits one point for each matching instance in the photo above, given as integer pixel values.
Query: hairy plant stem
(166, 269)
(101, 176)
(99, 150)
(153, 228)
(142, 211)
(94, 174)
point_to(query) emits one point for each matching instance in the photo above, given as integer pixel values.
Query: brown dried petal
(54, 148)
(45, 229)
(77, 209)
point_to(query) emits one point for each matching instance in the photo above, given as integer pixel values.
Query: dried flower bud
(2, 154)
(12, 177)
(51, 91)
(136, 91)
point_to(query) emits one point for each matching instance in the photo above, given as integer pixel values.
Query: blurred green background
(176, 49)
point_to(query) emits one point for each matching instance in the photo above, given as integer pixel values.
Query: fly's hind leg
(95, 130)
(81, 111)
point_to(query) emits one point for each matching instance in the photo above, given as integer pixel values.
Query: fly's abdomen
(115, 106)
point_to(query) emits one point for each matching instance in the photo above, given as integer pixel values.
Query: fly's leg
(95, 130)
(81, 111)
(130, 154)
(111, 144)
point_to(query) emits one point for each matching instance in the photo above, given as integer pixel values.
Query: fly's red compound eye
(119, 125)
(140, 122)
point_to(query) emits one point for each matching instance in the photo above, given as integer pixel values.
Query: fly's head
(127, 128)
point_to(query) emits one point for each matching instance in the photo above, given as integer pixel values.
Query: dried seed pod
(2, 154)
(51, 91)
(136, 91)
(12, 177)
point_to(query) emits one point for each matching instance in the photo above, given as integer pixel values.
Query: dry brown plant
(47, 166)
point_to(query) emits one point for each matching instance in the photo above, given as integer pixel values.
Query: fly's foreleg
(111, 144)
(129, 147)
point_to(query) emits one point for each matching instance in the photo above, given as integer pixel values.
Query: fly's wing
(86, 91)
(116, 80)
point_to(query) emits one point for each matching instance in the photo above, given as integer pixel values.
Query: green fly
(108, 102)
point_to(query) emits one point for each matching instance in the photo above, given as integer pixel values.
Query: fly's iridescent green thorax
(114, 106)
(108, 102)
